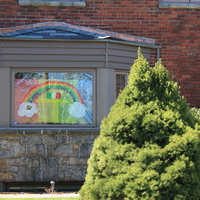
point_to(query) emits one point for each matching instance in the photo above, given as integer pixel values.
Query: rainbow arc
(33, 94)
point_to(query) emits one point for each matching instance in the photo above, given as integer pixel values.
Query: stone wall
(44, 155)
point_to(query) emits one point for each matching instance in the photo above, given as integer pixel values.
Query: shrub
(196, 112)
(149, 144)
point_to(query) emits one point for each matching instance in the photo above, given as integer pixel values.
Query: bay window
(62, 83)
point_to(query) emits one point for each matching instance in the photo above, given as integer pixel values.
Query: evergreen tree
(149, 147)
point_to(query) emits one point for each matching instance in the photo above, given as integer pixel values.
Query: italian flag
(53, 95)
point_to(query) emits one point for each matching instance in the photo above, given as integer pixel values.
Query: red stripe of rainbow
(44, 87)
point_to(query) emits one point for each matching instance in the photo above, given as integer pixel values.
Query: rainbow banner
(54, 102)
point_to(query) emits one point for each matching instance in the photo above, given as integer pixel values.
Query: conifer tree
(149, 147)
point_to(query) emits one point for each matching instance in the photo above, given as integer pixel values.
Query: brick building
(99, 42)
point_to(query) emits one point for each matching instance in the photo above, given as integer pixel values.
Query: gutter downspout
(158, 54)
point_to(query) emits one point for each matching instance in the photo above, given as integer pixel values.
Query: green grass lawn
(54, 198)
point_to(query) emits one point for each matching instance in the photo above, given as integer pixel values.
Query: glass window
(176, 1)
(73, 3)
(121, 81)
(53, 98)
(181, 1)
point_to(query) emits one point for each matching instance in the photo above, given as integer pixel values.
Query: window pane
(53, 98)
(176, 1)
(121, 81)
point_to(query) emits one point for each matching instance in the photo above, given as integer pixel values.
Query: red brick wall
(177, 30)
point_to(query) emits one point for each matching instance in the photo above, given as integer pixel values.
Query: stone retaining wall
(44, 155)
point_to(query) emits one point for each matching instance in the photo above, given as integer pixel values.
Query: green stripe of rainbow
(44, 87)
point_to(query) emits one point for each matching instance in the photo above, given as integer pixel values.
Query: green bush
(196, 112)
(149, 144)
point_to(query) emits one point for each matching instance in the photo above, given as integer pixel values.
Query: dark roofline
(35, 29)
(97, 33)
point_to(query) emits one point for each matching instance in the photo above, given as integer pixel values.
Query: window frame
(50, 70)
(176, 4)
(55, 3)
(180, 1)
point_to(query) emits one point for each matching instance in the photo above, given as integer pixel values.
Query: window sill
(48, 131)
(52, 3)
(180, 5)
